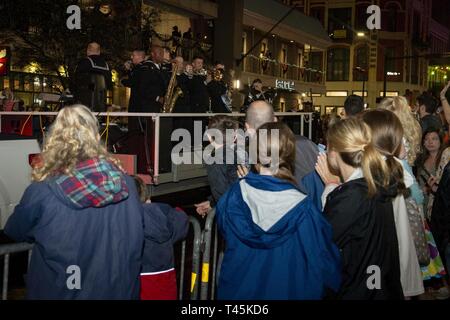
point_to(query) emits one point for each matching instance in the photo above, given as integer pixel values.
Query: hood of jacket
(263, 211)
(95, 183)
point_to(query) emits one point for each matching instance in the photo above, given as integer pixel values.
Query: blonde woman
(412, 137)
(360, 211)
(83, 215)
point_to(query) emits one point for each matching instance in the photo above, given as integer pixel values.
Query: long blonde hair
(352, 139)
(387, 135)
(73, 138)
(411, 127)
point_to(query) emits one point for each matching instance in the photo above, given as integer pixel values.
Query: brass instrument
(178, 93)
(169, 94)
(217, 74)
(201, 72)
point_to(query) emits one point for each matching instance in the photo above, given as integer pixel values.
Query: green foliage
(37, 32)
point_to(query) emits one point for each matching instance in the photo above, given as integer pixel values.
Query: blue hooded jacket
(163, 227)
(105, 242)
(278, 244)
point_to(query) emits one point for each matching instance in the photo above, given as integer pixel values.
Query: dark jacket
(163, 227)
(440, 216)
(147, 83)
(93, 78)
(69, 228)
(252, 96)
(216, 90)
(430, 122)
(364, 230)
(306, 154)
(279, 246)
(222, 175)
(198, 94)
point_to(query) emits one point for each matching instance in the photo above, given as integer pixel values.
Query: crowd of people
(353, 222)
(383, 191)
(365, 217)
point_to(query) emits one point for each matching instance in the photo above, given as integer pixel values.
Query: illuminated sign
(4, 61)
(340, 34)
(285, 85)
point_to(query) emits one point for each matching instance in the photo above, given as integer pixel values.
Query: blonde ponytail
(352, 139)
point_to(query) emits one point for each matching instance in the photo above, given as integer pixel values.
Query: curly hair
(73, 138)
(411, 127)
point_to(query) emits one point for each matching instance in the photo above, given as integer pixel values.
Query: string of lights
(266, 59)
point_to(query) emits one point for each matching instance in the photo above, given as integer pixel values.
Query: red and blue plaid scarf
(95, 183)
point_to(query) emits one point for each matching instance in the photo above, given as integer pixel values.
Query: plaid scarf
(95, 183)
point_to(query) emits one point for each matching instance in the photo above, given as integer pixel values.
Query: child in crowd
(163, 227)
(279, 246)
(222, 164)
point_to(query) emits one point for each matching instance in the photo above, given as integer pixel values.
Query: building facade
(364, 60)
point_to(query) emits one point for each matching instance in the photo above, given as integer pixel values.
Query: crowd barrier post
(6, 250)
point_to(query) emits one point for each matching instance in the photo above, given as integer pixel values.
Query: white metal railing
(305, 117)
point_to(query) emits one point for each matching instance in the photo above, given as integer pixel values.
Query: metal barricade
(195, 274)
(209, 282)
(6, 250)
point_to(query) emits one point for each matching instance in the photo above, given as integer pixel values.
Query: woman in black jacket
(361, 214)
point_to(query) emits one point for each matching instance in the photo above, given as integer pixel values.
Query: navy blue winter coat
(278, 244)
(164, 226)
(105, 243)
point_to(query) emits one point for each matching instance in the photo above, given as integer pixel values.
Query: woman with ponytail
(360, 213)
(387, 135)
(278, 245)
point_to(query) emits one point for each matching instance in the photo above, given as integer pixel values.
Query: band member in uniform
(218, 90)
(92, 79)
(147, 96)
(146, 82)
(197, 85)
(166, 66)
(256, 93)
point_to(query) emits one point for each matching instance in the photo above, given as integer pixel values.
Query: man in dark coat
(218, 91)
(146, 83)
(92, 79)
(147, 95)
(198, 90)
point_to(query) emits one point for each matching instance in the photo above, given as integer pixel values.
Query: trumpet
(202, 72)
(217, 74)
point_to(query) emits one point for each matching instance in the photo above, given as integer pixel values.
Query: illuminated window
(389, 94)
(337, 93)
